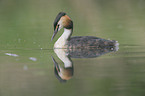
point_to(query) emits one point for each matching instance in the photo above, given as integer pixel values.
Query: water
(26, 66)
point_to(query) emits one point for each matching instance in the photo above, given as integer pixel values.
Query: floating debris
(10, 54)
(33, 58)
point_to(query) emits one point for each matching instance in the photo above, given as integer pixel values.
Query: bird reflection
(64, 71)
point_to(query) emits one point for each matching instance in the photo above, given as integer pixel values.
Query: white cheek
(60, 26)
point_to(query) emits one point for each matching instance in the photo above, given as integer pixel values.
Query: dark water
(26, 65)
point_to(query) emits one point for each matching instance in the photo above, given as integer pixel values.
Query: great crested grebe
(66, 41)
(64, 72)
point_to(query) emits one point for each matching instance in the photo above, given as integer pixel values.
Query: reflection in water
(66, 72)
(63, 74)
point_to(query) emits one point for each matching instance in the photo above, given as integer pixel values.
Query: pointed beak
(55, 32)
(55, 64)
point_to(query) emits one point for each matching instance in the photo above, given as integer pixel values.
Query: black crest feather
(58, 18)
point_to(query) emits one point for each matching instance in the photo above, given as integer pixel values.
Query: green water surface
(26, 67)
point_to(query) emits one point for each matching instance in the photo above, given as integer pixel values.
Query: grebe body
(66, 41)
(89, 42)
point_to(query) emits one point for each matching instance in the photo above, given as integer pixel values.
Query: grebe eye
(57, 26)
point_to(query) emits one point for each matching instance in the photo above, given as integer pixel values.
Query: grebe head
(62, 21)
(62, 74)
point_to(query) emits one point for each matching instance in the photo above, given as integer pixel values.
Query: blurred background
(26, 68)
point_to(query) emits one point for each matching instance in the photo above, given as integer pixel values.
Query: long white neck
(61, 53)
(62, 40)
